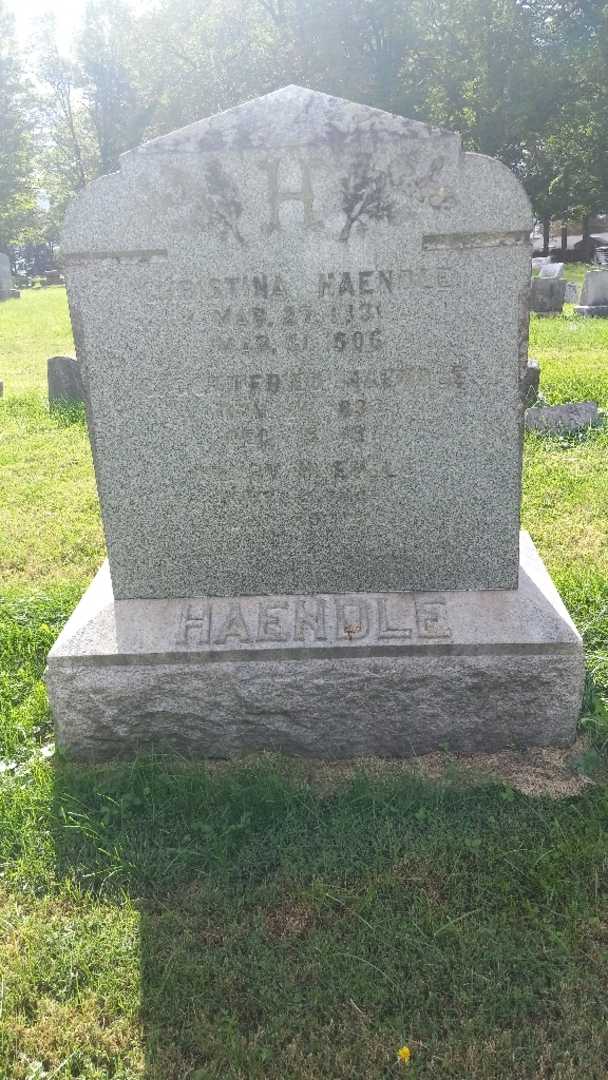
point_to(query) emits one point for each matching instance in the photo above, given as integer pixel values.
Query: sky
(27, 12)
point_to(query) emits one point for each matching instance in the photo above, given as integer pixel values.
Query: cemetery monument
(547, 295)
(64, 380)
(594, 294)
(302, 327)
(6, 278)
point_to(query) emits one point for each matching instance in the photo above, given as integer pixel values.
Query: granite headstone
(290, 385)
(6, 279)
(530, 383)
(307, 440)
(594, 294)
(552, 270)
(564, 419)
(547, 295)
(64, 379)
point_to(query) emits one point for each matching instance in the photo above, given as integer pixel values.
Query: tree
(17, 189)
(115, 110)
(67, 156)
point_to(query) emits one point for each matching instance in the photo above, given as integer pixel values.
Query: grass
(51, 527)
(271, 919)
(23, 356)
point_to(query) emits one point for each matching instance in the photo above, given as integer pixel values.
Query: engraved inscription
(262, 314)
(386, 629)
(309, 619)
(195, 625)
(281, 191)
(352, 616)
(393, 618)
(431, 617)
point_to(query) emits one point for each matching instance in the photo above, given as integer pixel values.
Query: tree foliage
(17, 183)
(523, 80)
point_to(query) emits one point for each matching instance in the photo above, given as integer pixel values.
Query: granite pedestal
(333, 676)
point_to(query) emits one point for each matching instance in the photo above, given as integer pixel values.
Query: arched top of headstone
(295, 159)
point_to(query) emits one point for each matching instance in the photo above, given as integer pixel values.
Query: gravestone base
(592, 309)
(392, 674)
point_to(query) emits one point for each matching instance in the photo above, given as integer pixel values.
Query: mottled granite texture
(324, 676)
(302, 325)
(594, 294)
(64, 379)
(563, 419)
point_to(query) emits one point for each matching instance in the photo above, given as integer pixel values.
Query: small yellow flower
(404, 1055)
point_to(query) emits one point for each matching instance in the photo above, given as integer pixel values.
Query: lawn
(273, 919)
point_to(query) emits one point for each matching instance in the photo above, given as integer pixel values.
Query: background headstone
(571, 293)
(547, 295)
(6, 280)
(64, 380)
(530, 383)
(552, 270)
(563, 419)
(289, 386)
(594, 294)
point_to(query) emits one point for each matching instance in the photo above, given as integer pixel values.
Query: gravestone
(64, 379)
(307, 444)
(6, 279)
(563, 419)
(552, 270)
(530, 383)
(571, 293)
(594, 294)
(547, 295)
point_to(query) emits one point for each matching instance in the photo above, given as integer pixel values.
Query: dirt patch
(289, 920)
(538, 771)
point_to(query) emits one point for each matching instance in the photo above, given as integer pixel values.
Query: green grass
(32, 329)
(271, 919)
(51, 530)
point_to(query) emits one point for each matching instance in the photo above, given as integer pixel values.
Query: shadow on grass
(66, 413)
(303, 926)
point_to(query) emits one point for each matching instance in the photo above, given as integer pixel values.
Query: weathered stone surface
(547, 295)
(560, 419)
(530, 383)
(594, 294)
(325, 676)
(64, 379)
(552, 270)
(279, 311)
(571, 294)
(6, 280)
